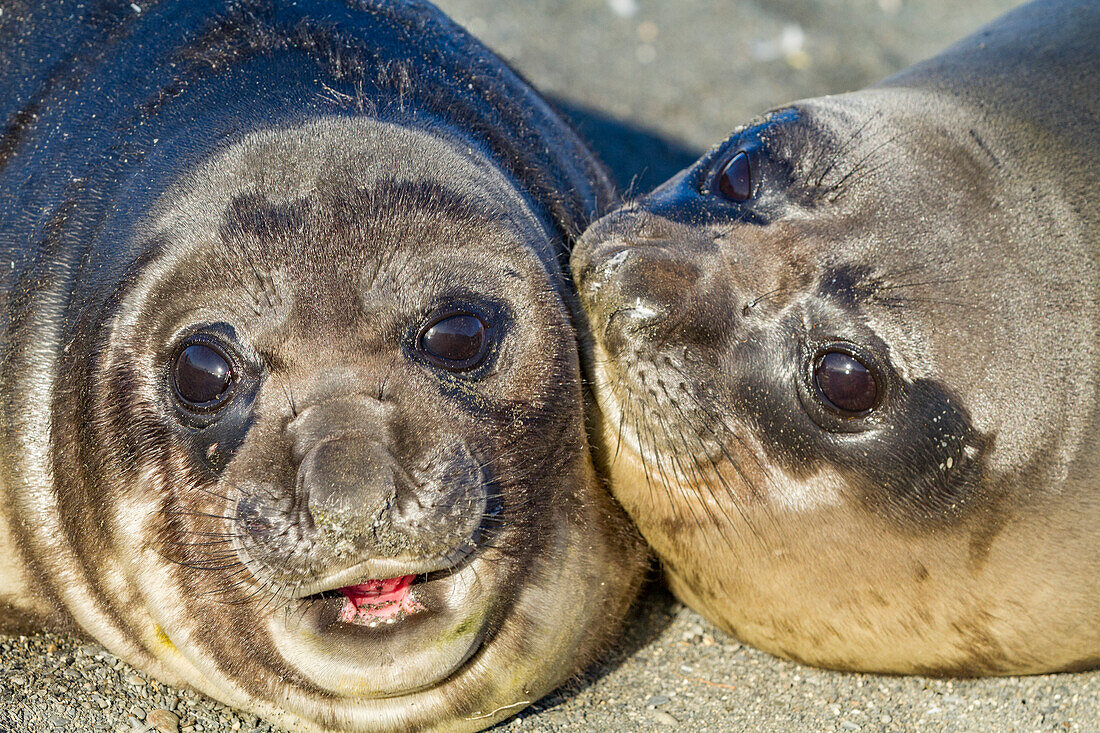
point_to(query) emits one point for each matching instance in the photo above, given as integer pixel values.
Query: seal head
(846, 365)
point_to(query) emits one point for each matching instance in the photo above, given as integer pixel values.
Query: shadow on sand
(639, 159)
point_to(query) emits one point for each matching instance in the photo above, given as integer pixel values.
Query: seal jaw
(396, 638)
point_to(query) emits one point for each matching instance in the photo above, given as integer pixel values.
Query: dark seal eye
(845, 383)
(202, 376)
(456, 342)
(735, 180)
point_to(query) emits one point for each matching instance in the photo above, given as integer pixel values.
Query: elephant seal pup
(847, 364)
(292, 410)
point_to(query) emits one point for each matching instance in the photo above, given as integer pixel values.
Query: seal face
(292, 409)
(833, 360)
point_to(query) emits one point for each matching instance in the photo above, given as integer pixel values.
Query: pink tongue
(378, 599)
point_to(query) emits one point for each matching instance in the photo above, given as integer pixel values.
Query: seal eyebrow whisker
(935, 301)
(264, 280)
(384, 378)
(836, 154)
(255, 305)
(834, 190)
(290, 399)
(766, 296)
(939, 281)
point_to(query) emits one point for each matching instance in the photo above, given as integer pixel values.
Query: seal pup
(847, 364)
(291, 402)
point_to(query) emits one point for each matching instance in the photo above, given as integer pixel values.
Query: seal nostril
(651, 289)
(597, 272)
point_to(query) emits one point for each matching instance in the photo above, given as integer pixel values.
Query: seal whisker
(688, 499)
(643, 460)
(726, 430)
(718, 474)
(836, 154)
(834, 190)
(645, 429)
(696, 474)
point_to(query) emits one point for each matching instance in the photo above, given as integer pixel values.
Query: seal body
(847, 364)
(291, 403)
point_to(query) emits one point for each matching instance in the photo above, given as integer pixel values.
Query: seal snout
(358, 505)
(639, 294)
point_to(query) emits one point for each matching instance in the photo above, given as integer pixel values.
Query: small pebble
(133, 679)
(663, 718)
(137, 712)
(163, 721)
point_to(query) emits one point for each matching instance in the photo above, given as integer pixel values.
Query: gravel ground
(651, 83)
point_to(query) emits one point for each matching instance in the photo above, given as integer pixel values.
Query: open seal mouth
(385, 637)
(377, 601)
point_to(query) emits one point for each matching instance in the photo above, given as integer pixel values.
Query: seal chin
(385, 638)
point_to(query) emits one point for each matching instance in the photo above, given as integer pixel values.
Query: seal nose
(643, 292)
(349, 476)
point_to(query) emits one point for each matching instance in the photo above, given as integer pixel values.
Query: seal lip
(387, 657)
(378, 569)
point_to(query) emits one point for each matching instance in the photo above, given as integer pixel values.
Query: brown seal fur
(284, 312)
(938, 235)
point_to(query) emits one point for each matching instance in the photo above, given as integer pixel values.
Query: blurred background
(691, 70)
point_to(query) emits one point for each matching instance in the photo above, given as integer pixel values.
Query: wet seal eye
(735, 180)
(202, 376)
(456, 341)
(844, 383)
